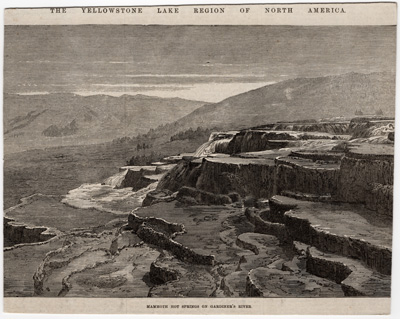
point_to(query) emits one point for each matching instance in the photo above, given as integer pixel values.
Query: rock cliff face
(296, 174)
(137, 177)
(17, 233)
(355, 254)
(257, 166)
(366, 176)
(247, 177)
(184, 174)
(380, 199)
(253, 141)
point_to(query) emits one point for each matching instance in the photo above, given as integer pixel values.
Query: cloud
(195, 75)
(208, 92)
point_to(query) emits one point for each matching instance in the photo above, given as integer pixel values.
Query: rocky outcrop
(158, 196)
(266, 282)
(150, 236)
(136, 179)
(254, 140)
(363, 174)
(247, 177)
(160, 274)
(298, 174)
(262, 226)
(196, 196)
(320, 225)
(260, 140)
(185, 173)
(278, 207)
(159, 224)
(381, 200)
(252, 289)
(159, 232)
(377, 257)
(322, 188)
(354, 277)
(217, 143)
(366, 176)
(174, 278)
(234, 284)
(17, 233)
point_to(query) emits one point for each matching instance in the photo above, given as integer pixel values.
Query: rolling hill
(38, 121)
(297, 99)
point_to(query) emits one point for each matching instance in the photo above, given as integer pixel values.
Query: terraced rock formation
(283, 211)
(320, 187)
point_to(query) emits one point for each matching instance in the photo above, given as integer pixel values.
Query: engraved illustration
(198, 161)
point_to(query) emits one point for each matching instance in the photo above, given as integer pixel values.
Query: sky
(207, 63)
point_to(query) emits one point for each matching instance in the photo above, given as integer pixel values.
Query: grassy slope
(300, 98)
(39, 121)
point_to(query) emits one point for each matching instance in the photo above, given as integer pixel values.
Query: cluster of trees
(122, 140)
(152, 134)
(190, 134)
(143, 146)
(55, 131)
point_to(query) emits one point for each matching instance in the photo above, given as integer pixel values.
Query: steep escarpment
(247, 177)
(366, 176)
(303, 175)
(185, 173)
(310, 165)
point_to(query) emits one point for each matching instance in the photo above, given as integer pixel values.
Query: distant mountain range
(300, 98)
(65, 118)
(58, 119)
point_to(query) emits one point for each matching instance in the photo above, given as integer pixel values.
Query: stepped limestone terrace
(281, 210)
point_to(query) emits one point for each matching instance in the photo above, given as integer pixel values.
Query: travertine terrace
(281, 210)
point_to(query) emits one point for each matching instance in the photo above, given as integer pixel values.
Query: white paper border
(395, 305)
